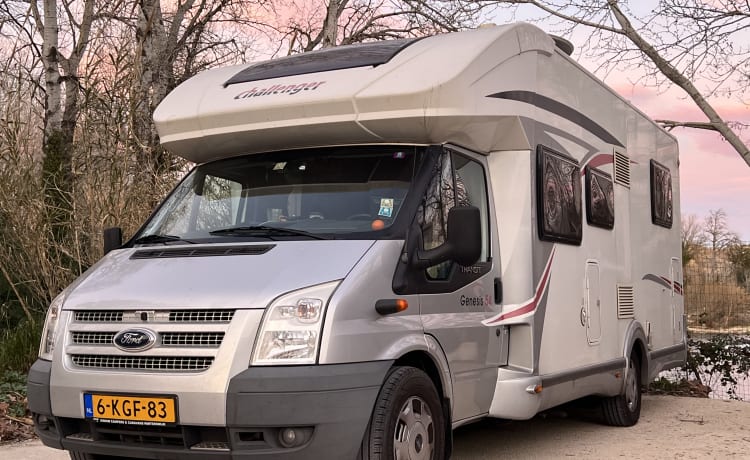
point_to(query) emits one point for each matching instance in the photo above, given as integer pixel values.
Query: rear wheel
(407, 422)
(625, 409)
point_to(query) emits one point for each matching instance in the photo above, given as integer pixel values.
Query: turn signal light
(534, 389)
(391, 306)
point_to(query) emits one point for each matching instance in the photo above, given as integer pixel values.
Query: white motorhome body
(507, 241)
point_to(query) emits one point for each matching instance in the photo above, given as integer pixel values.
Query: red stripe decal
(601, 159)
(664, 281)
(531, 304)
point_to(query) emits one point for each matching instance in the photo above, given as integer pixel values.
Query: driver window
(470, 178)
(432, 214)
(458, 181)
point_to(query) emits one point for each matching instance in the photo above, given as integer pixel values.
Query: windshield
(343, 192)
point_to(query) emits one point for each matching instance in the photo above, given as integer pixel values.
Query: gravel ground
(670, 427)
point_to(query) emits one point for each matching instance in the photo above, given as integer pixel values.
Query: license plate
(130, 409)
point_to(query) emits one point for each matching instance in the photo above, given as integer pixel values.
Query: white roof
(430, 92)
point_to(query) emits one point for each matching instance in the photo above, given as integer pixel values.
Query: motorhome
(378, 243)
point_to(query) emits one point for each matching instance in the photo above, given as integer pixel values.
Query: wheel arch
(440, 376)
(422, 360)
(636, 343)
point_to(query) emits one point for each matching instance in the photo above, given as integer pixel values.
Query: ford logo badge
(134, 339)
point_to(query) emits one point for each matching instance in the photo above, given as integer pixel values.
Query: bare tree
(688, 43)
(172, 45)
(340, 22)
(692, 237)
(716, 232)
(62, 85)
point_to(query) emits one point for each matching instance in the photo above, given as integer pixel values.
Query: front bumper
(328, 406)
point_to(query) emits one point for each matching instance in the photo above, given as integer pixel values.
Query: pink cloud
(712, 173)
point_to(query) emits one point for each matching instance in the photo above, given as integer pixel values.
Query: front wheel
(625, 409)
(408, 421)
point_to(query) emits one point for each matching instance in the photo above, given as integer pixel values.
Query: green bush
(19, 346)
(13, 393)
(722, 359)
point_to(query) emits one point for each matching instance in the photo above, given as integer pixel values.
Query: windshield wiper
(155, 239)
(264, 230)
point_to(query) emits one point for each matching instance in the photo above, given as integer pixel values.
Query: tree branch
(669, 125)
(675, 76)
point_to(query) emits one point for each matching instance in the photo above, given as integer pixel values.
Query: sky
(712, 174)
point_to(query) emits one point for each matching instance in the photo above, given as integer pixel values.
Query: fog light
(42, 421)
(289, 437)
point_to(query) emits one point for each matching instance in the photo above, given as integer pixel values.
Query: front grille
(136, 435)
(172, 439)
(99, 316)
(189, 340)
(93, 338)
(146, 363)
(201, 316)
(192, 339)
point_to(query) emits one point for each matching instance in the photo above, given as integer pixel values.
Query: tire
(74, 455)
(407, 422)
(625, 409)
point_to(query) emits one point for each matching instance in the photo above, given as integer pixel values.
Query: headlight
(49, 333)
(290, 333)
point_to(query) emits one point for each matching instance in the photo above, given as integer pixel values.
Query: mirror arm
(425, 259)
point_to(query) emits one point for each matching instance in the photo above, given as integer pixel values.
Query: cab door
(454, 300)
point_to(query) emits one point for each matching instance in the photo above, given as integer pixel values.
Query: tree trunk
(57, 164)
(330, 25)
(153, 69)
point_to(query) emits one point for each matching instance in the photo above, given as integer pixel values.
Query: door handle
(498, 291)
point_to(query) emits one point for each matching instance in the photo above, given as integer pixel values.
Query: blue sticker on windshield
(386, 207)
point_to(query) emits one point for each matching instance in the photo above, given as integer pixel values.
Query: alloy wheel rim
(414, 435)
(631, 388)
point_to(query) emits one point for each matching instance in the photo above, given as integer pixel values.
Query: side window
(558, 197)
(458, 181)
(219, 203)
(661, 195)
(470, 175)
(600, 199)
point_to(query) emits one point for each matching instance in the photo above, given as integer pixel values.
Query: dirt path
(670, 427)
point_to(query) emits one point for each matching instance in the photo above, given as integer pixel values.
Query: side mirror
(463, 243)
(112, 238)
